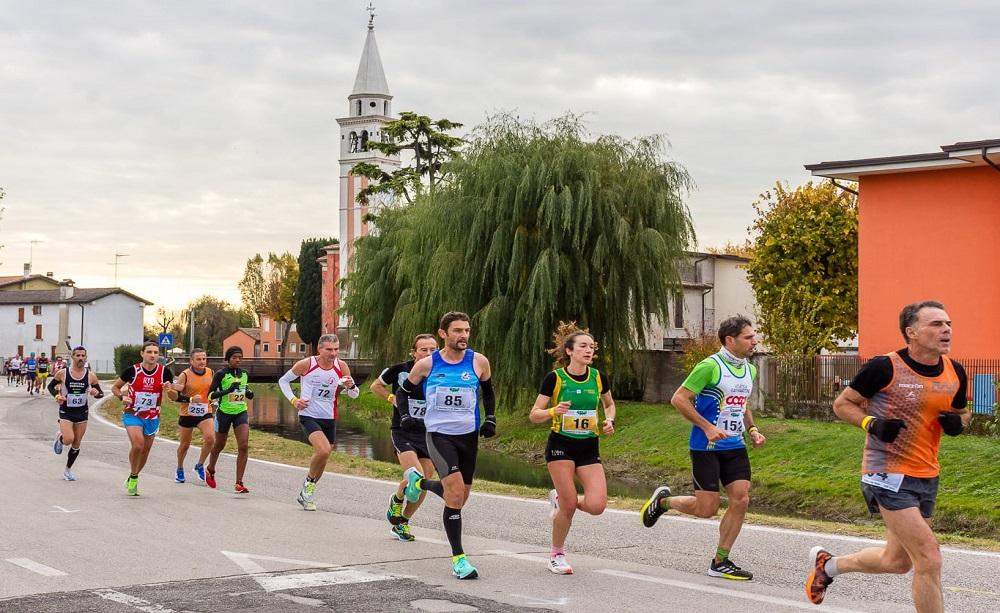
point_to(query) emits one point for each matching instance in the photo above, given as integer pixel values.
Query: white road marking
(61, 509)
(35, 567)
(425, 539)
(132, 601)
(273, 582)
(533, 601)
(518, 556)
(721, 591)
(246, 562)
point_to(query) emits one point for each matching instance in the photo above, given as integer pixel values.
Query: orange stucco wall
(930, 235)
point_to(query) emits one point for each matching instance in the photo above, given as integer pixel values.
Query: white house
(46, 319)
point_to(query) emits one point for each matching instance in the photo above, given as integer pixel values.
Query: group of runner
(31, 370)
(904, 401)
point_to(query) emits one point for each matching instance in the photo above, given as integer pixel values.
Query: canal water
(271, 412)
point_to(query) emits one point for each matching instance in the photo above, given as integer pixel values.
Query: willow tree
(538, 224)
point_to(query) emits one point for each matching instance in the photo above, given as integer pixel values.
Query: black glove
(233, 387)
(409, 423)
(951, 423)
(885, 430)
(489, 428)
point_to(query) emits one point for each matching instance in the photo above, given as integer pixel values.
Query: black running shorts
(452, 453)
(710, 468)
(316, 424)
(913, 492)
(191, 421)
(74, 415)
(580, 451)
(223, 421)
(410, 441)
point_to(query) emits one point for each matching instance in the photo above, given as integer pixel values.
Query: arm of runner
(410, 385)
(378, 387)
(609, 412)
(53, 386)
(541, 412)
(174, 390)
(285, 383)
(215, 390)
(95, 386)
(683, 400)
(347, 381)
(756, 437)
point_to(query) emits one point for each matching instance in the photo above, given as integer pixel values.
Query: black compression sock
(453, 528)
(71, 457)
(397, 500)
(432, 486)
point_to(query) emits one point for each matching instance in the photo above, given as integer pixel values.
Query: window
(679, 310)
(266, 322)
(20, 315)
(53, 352)
(266, 349)
(36, 309)
(38, 331)
(20, 350)
(291, 348)
(279, 348)
(385, 108)
(302, 347)
(359, 107)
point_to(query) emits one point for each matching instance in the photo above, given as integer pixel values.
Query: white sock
(831, 568)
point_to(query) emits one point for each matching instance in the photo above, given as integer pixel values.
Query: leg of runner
(242, 432)
(221, 437)
(400, 509)
(207, 444)
(729, 528)
(565, 503)
(322, 448)
(79, 429)
(147, 446)
(182, 449)
(137, 445)
(910, 543)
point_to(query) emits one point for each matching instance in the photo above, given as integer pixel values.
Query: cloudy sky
(192, 134)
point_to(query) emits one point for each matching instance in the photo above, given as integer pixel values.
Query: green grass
(806, 476)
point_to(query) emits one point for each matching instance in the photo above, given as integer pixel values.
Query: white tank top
(320, 388)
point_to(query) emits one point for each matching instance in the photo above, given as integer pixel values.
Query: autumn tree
(804, 270)
(214, 320)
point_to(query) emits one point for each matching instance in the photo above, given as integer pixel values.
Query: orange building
(265, 341)
(928, 226)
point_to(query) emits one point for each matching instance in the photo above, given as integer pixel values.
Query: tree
(432, 149)
(538, 225)
(309, 292)
(804, 270)
(253, 287)
(742, 250)
(214, 320)
(282, 277)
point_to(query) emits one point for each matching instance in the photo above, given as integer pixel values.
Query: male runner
(43, 372)
(452, 379)
(410, 445)
(71, 388)
(229, 387)
(714, 398)
(146, 382)
(14, 370)
(23, 371)
(191, 390)
(913, 395)
(323, 378)
(31, 372)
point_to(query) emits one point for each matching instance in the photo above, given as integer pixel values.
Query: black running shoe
(652, 510)
(727, 570)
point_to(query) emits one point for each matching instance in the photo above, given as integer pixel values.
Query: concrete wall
(108, 322)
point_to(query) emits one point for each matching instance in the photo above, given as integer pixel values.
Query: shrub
(127, 355)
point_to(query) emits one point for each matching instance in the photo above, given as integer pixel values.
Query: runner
(229, 387)
(71, 388)
(912, 396)
(23, 371)
(451, 379)
(30, 369)
(410, 445)
(568, 399)
(714, 398)
(141, 401)
(14, 371)
(59, 365)
(191, 390)
(324, 377)
(43, 372)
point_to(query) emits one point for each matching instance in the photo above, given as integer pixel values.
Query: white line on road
(518, 556)
(35, 567)
(246, 562)
(722, 591)
(61, 509)
(277, 583)
(132, 601)
(534, 601)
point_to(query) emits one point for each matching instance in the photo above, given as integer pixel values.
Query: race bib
(886, 481)
(239, 395)
(76, 400)
(197, 409)
(418, 408)
(459, 399)
(144, 401)
(579, 422)
(730, 421)
(323, 391)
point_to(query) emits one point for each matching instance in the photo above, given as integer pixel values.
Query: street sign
(166, 340)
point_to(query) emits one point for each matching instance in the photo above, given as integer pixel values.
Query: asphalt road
(86, 546)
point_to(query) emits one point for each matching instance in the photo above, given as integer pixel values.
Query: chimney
(27, 269)
(66, 290)
(50, 275)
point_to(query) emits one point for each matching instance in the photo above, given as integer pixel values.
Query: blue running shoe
(200, 469)
(412, 492)
(462, 569)
(180, 476)
(57, 445)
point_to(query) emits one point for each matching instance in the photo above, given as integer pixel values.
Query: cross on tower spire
(371, 15)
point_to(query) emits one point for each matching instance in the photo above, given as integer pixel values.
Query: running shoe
(412, 492)
(818, 580)
(307, 497)
(728, 570)
(395, 511)
(559, 565)
(652, 510)
(132, 486)
(240, 488)
(210, 478)
(554, 502)
(68, 475)
(200, 469)
(179, 477)
(462, 569)
(402, 532)
(57, 445)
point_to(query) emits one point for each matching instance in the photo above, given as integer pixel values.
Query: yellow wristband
(294, 400)
(867, 420)
(552, 412)
(753, 429)
(391, 399)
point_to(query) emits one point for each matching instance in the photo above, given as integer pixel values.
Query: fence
(806, 386)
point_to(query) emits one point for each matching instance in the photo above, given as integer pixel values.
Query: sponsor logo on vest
(736, 401)
(910, 385)
(147, 381)
(465, 376)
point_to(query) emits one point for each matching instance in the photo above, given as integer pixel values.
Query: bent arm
(849, 406)
(683, 401)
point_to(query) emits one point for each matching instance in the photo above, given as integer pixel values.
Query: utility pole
(190, 331)
(118, 257)
(31, 255)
